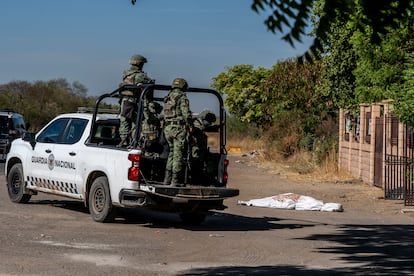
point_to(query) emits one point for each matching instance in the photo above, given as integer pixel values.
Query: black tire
(16, 185)
(100, 204)
(193, 218)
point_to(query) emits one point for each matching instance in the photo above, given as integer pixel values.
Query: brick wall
(357, 142)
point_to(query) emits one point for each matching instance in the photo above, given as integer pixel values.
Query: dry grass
(213, 141)
(299, 166)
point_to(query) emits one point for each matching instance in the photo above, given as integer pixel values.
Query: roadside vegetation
(280, 115)
(290, 111)
(41, 101)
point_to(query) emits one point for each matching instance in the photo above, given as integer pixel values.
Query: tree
(40, 101)
(282, 102)
(402, 89)
(291, 89)
(339, 55)
(79, 89)
(363, 72)
(404, 101)
(243, 88)
(379, 67)
(380, 15)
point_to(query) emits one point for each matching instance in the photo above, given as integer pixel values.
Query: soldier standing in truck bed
(151, 126)
(199, 147)
(177, 123)
(134, 76)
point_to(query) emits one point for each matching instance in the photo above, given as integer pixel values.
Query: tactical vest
(133, 77)
(151, 123)
(129, 78)
(171, 108)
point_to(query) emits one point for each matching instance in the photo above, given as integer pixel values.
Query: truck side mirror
(29, 137)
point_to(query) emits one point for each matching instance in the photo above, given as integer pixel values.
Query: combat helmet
(137, 59)
(179, 83)
(207, 117)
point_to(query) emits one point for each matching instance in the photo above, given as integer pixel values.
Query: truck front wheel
(15, 185)
(100, 204)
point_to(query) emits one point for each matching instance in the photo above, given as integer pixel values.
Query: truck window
(53, 131)
(106, 133)
(74, 131)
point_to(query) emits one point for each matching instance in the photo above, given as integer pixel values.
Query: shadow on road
(289, 270)
(164, 220)
(366, 249)
(215, 222)
(72, 205)
(267, 270)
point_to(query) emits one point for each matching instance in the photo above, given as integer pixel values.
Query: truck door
(54, 159)
(41, 160)
(66, 157)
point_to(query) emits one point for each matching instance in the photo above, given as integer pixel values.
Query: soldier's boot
(175, 181)
(167, 177)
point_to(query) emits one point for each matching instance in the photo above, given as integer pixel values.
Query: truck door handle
(72, 153)
(48, 151)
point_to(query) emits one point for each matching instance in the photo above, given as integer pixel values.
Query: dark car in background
(12, 126)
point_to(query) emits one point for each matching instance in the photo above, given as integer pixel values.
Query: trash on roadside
(215, 235)
(293, 201)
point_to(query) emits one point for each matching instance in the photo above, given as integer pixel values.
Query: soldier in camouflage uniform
(199, 148)
(135, 76)
(151, 126)
(177, 124)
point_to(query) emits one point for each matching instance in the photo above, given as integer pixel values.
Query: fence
(398, 161)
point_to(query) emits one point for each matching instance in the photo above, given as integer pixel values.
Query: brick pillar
(341, 140)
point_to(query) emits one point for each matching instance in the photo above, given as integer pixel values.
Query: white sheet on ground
(293, 201)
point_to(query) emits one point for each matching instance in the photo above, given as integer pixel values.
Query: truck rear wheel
(16, 186)
(100, 204)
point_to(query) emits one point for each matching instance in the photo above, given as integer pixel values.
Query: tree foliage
(243, 88)
(380, 15)
(282, 102)
(339, 56)
(379, 67)
(404, 101)
(292, 88)
(41, 101)
(363, 72)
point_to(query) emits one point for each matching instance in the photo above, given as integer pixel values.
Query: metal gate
(379, 151)
(399, 161)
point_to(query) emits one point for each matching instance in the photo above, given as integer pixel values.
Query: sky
(91, 41)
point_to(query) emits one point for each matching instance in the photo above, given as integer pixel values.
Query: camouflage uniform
(177, 120)
(198, 136)
(151, 127)
(134, 75)
(199, 148)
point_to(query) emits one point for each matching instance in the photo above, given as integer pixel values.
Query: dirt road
(56, 236)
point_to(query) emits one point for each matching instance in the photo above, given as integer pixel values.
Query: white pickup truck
(78, 155)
